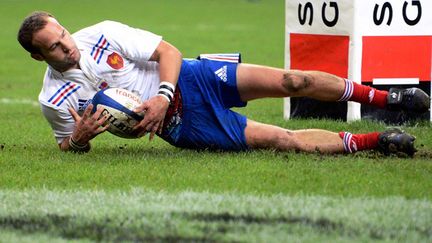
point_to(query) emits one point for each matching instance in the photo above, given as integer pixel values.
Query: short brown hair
(32, 24)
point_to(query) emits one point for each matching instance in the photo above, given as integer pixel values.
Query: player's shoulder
(97, 32)
(87, 32)
(104, 26)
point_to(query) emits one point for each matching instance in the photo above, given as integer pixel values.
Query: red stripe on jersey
(99, 48)
(63, 93)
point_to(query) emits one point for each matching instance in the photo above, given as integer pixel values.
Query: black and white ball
(118, 104)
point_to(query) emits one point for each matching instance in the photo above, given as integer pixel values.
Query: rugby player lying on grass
(194, 111)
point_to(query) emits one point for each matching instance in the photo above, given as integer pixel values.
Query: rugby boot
(412, 99)
(395, 141)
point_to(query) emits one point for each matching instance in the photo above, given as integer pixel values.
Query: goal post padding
(378, 43)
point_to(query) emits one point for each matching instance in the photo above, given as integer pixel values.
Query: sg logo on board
(308, 11)
(380, 13)
(387, 10)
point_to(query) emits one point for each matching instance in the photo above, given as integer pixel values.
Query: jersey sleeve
(136, 44)
(61, 122)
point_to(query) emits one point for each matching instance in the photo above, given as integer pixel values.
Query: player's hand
(155, 110)
(89, 125)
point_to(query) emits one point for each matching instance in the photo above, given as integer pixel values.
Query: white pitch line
(275, 217)
(8, 101)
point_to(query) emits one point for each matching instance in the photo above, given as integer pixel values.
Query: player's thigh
(256, 81)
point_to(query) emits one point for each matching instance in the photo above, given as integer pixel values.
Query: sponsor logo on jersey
(115, 60)
(103, 85)
(63, 93)
(99, 48)
(222, 73)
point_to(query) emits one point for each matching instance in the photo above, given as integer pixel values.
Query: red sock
(357, 142)
(364, 94)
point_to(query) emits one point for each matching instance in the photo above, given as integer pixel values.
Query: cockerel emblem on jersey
(115, 60)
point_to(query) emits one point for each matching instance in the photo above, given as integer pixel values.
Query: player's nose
(66, 47)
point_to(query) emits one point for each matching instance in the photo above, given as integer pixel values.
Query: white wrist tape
(76, 146)
(166, 89)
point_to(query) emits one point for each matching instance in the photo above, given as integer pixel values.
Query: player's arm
(86, 128)
(169, 59)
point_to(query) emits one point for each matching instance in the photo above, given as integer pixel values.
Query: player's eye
(53, 46)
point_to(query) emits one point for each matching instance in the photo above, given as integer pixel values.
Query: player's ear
(37, 56)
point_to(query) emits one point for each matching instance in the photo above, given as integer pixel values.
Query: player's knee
(295, 82)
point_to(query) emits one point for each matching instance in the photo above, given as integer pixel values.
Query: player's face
(57, 47)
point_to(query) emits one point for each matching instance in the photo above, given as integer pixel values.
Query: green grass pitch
(135, 190)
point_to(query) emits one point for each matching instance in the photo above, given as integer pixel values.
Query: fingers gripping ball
(118, 104)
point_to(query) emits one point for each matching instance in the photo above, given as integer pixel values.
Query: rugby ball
(118, 104)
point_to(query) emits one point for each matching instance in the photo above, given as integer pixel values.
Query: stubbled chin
(74, 62)
(62, 67)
